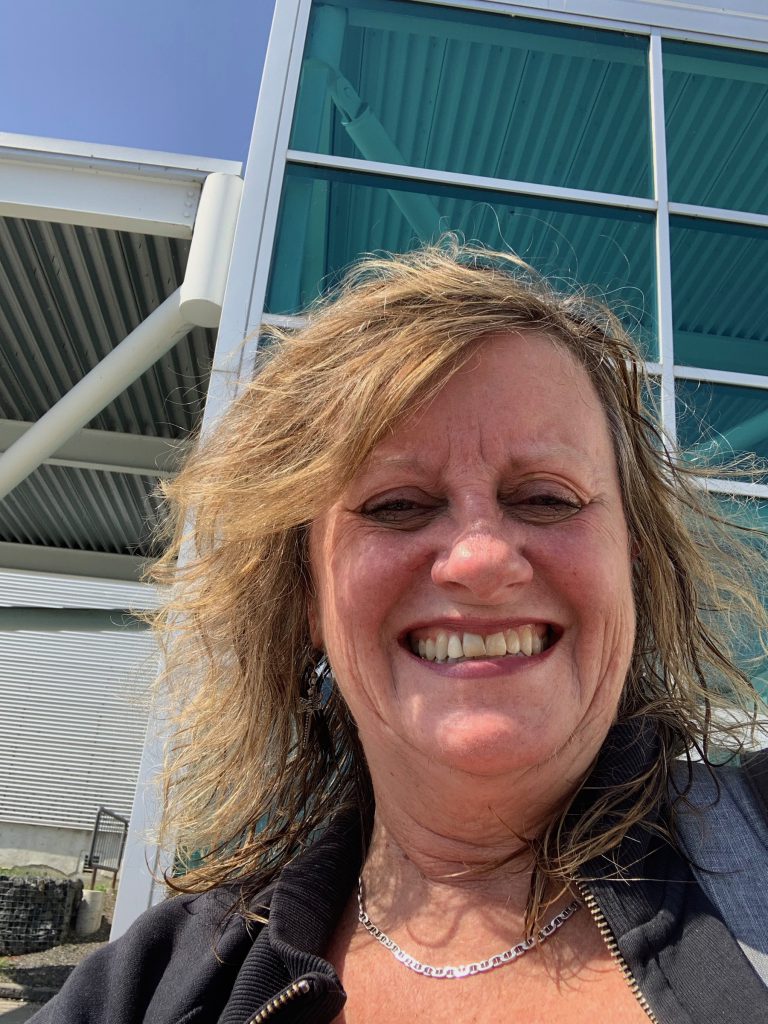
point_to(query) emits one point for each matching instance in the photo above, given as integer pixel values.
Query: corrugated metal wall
(73, 706)
(41, 590)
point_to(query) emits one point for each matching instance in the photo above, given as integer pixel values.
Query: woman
(449, 627)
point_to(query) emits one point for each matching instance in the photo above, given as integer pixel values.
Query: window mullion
(663, 258)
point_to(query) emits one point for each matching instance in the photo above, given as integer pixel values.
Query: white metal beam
(102, 186)
(105, 450)
(743, 488)
(242, 311)
(454, 178)
(143, 861)
(287, 321)
(730, 377)
(197, 302)
(712, 213)
(67, 562)
(144, 161)
(124, 364)
(257, 220)
(663, 249)
(94, 197)
(736, 23)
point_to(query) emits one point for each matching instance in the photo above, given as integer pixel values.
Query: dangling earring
(312, 686)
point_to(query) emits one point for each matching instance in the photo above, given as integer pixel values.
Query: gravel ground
(51, 968)
(14, 1012)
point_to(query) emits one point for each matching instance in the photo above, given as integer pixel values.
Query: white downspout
(202, 292)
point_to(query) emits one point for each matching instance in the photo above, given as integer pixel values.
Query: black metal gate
(107, 844)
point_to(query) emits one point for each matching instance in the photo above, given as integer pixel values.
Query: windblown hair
(251, 776)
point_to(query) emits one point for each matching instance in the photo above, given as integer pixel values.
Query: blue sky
(176, 75)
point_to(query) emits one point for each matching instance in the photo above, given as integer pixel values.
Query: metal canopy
(92, 241)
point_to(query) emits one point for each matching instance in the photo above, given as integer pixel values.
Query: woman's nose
(484, 562)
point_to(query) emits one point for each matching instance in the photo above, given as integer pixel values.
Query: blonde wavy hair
(250, 776)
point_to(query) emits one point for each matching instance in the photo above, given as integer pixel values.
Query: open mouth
(445, 645)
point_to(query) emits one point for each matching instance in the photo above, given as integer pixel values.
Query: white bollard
(90, 913)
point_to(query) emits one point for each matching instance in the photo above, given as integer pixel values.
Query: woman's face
(488, 526)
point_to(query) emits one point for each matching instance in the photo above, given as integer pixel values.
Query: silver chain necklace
(461, 970)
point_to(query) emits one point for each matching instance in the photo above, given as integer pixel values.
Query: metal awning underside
(67, 295)
(70, 292)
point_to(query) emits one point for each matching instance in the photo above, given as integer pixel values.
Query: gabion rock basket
(36, 913)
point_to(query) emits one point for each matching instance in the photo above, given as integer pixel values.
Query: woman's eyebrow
(399, 462)
(518, 457)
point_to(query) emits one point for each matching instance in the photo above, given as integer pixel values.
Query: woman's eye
(546, 507)
(398, 511)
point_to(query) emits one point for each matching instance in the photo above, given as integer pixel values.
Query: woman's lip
(484, 627)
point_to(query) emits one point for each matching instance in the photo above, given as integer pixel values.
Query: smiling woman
(491, 515)
(448, 654)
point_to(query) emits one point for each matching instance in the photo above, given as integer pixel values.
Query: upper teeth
(449, 646)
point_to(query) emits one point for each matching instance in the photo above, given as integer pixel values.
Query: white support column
(663, 256)
(265, 170)
(243, 306)
(197, 302)
(140, 874)
(124, 364)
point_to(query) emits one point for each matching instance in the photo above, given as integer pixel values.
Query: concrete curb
(26, 993)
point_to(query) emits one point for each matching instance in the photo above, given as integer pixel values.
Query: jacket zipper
(608, 938)
(297, 988)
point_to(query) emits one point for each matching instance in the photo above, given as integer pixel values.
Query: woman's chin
(490, 745)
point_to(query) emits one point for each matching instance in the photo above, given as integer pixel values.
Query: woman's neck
(449, 824)
(429, 856)
(407, 857)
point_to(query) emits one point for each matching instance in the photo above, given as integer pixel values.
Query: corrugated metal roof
(68, 296)
(719, 280)
(713, 415)
(332, 217)
(83, 509)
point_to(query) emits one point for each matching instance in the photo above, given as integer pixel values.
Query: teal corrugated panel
(716, 108)
(576, 243)
(494, 96)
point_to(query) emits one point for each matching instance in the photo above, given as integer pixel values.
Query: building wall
(23, 845)
(75, 703)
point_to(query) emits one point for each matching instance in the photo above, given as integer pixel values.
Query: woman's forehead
(520, 398)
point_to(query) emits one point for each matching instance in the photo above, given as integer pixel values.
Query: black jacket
(179, 964)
